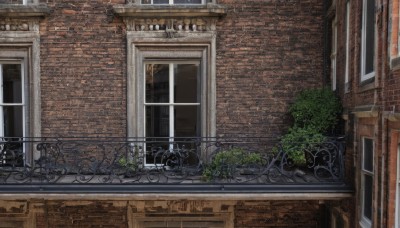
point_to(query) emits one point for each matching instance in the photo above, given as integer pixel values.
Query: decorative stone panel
(8, 24)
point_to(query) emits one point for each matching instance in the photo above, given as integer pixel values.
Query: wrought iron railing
(143, 161)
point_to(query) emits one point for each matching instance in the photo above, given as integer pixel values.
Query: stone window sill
(395, 63)
(7, 10)
(170, 11)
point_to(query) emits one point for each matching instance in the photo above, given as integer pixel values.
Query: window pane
(187, 121)
(369, 39)
(157, 121)
(13, 122)
(187, 1)
(12, 83)
(187, 83)
(160, 2)
(157, 83)
(146, 1)
(367, 206)
(368, 160)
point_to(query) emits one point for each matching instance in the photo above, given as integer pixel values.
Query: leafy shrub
(317, 109)
(315, 112)
(298, 140)
(225, 163)
(128, 165)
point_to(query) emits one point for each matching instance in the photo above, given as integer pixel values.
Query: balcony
(167, 165)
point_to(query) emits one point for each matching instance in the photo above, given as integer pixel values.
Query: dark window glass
(157, 83)
(368, 161)
(367, 197)
(187, 121)
(187, 1)
(160, 2)
(157, 121)
(13, 121)
(370, 37)
(12, 83)
(187, 83)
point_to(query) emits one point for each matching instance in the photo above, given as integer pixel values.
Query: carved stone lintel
(19, 25)
(171, 25)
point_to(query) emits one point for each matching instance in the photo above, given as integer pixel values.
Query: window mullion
(171, 106)
(1, 100)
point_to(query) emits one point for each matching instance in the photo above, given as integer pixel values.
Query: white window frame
(347, 60)
(23, 101)
(365, 222)
(171, 104)
(397, 205)
(171, 2)
(365, 76)
(334, 53)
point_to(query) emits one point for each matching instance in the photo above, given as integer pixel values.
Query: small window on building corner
(367, 182)
(333, 54)
(368, 40)
(347, 71)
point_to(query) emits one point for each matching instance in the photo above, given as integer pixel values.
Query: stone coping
(14, 10)
(169, 11)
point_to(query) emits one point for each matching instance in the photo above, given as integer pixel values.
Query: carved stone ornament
(171, 26)
(19, 25)
(175, 21)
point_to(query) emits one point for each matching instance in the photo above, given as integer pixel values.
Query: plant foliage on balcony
(316, 109)
(315, 112)
(225, 163)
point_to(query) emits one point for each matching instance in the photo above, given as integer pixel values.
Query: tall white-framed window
(333, 53)
(172, 102)
(174, 2)
(397, 209)
(13, 110)
(347, 60)
(368, 40)
(367, 182)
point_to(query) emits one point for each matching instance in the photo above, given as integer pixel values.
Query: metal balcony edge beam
(173, 188)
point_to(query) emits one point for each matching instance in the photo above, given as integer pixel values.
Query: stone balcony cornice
(22, 11)
(168, 11)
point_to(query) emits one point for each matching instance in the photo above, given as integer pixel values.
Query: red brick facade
(266, 52)
(372, 107)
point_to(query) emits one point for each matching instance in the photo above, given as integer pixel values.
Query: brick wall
(278, 214)
(83, 65)
(267, 51)
(119, 214)
(83, 214)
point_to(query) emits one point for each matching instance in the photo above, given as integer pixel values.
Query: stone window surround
(365, 222)
(172, 32)
(365, 78)
(154, 45)
(25, 47)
